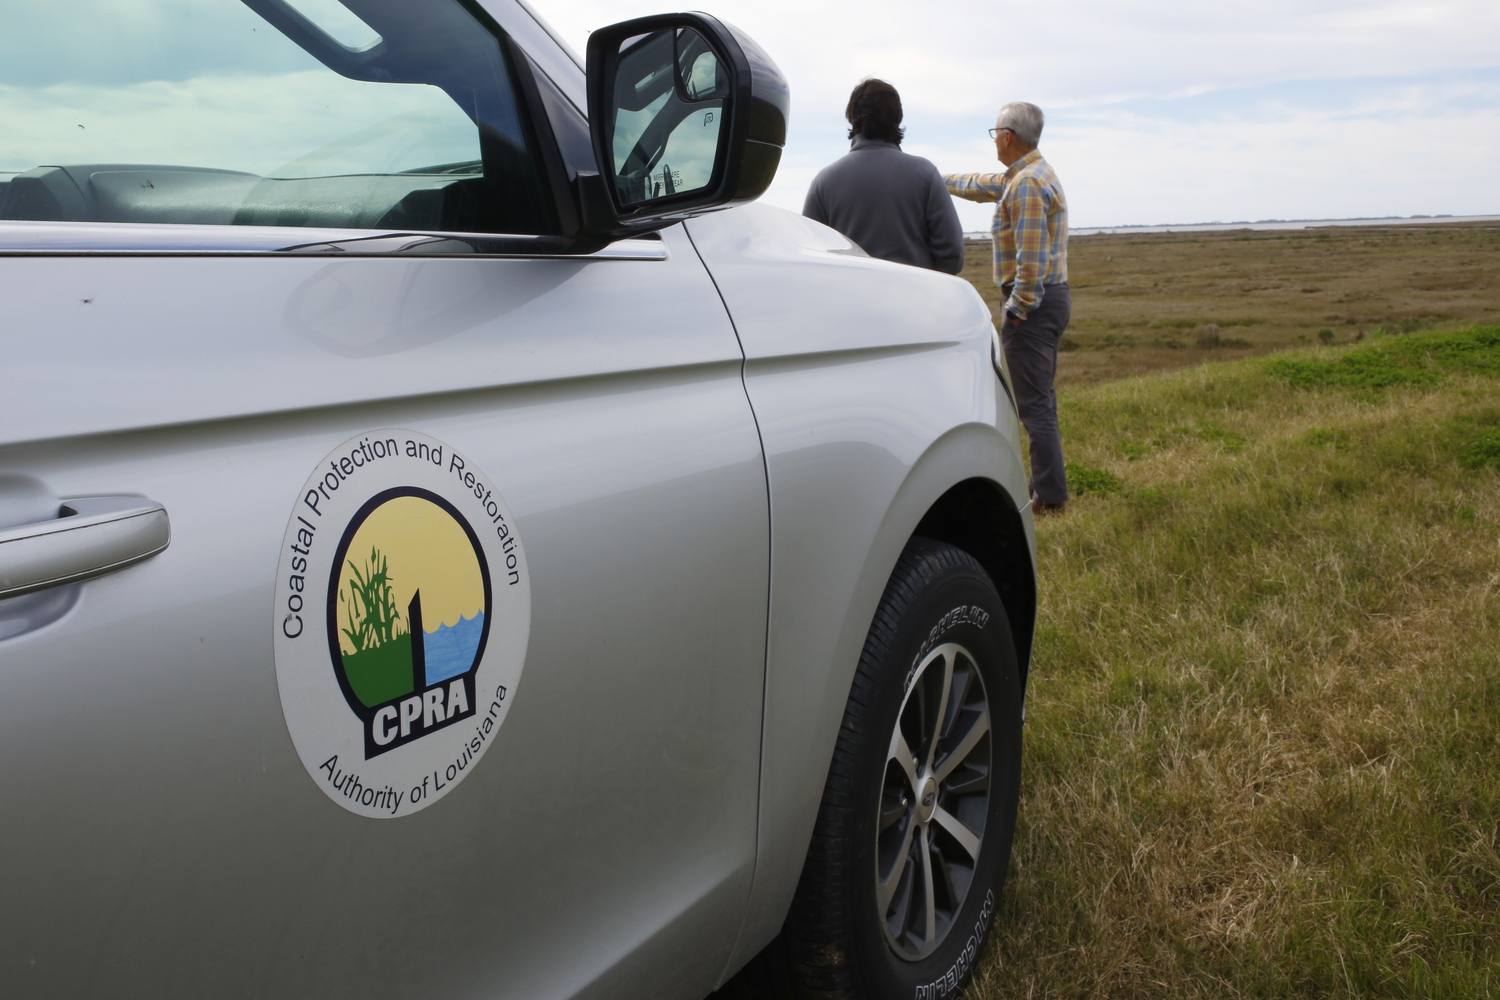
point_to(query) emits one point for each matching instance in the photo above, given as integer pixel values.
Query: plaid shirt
(1030, 230)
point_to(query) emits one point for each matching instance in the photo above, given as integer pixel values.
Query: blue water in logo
(450, 650)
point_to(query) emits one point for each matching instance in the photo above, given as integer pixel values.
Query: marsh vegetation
(1264, 715)
(1154, 301)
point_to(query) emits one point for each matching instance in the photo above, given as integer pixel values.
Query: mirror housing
(684, 87)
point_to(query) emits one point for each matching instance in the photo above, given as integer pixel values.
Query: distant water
(1263, 224)
(450, 650)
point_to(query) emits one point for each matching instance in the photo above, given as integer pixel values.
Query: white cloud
(1084, 50)
(1158, 111)
(1307, 166)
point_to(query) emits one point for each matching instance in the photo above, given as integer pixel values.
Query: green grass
(1415, 360)
(1263, 726)
(1083, 480)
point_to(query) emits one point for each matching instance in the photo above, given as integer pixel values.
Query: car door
(237, 304)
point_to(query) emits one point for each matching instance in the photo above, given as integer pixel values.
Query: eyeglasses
(995, 132)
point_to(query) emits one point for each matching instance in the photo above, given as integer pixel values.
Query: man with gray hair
(1030, 237)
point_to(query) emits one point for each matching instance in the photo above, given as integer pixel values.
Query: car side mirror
(687, 115)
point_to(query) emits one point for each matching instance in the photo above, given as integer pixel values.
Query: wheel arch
(979, 517)
(942, 486)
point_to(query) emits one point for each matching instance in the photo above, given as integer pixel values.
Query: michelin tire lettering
(402, 615)
(947, 984)
(964, 614)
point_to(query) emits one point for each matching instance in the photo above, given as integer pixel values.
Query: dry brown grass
(1157, 301)
(1264, 716)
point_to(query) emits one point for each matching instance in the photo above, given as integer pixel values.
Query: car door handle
(91, 535)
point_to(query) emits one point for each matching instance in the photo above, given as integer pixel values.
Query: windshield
(366, 114)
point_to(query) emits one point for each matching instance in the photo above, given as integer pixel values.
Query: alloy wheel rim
(934, 799)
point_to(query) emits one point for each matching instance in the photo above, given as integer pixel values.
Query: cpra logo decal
(403, 609)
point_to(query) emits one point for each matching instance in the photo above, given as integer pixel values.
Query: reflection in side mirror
(699, 71)
(687, 115)
(668, 116)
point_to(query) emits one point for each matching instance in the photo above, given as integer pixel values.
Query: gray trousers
(1031, 355)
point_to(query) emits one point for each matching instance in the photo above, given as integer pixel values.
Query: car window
(365, 114)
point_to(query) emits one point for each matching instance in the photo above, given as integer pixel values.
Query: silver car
(454, 544)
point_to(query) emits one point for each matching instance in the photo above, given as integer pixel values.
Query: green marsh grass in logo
(402, 615)
(407, 620)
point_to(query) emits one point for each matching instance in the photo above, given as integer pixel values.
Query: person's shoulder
(914, 167)
(1040, 170)
(1037, 173)
(833, 170)
(922, 163)
(1045, 178)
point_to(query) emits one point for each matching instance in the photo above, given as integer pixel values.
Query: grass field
(1263, 725)
(1153, 301)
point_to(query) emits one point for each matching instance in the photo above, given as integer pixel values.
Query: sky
(1158, 111)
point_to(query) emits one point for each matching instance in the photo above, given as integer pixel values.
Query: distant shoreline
(1210, 227)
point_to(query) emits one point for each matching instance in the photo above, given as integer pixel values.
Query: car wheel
(913, 836)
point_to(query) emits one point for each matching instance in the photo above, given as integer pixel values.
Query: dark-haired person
(892, 204)
(1030, 235)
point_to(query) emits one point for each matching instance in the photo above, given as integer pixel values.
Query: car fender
(875, 395)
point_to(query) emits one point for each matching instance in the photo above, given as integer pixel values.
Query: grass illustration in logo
(409, 608)
(379, 664)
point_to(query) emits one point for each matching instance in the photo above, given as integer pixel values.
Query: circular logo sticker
(403, 608)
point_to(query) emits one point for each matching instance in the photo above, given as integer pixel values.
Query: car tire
(907, 862)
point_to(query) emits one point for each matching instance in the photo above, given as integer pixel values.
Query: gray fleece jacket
(894, 205)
